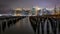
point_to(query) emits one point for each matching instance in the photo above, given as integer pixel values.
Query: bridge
(46, 24)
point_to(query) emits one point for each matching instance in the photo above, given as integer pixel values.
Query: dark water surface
(30, 25)
(21, 27)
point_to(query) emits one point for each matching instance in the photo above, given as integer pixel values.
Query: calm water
(24, 26)
(21, 27)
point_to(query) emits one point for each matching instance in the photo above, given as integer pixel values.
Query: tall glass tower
(33, 11)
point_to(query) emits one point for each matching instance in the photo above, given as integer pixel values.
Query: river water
(24, 26)
(21, 27)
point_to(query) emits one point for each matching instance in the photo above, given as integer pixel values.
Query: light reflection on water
(24, 27)
(21, 27)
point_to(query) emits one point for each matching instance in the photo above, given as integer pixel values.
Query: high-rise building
(33, 11)
(16, 12)
(45, 12)
(55, 10)
(59, 10)
(39, 13)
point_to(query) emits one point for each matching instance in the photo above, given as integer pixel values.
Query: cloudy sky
(29, 3)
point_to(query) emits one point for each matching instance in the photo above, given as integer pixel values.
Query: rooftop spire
(55, 8)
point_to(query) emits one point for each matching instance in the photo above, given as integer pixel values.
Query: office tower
(44, 11)
(33, 11)
(55, 10)
(39, 12)
(16, 12)
(59, 10)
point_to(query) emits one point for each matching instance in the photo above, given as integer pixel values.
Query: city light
(37, 8)
(49, 9)
(18, 9)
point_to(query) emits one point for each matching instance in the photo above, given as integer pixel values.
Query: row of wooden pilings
(45, 25)
(8, 21)
(41, 25)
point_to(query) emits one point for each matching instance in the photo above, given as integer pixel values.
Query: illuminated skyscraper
(55, 10)
(45, 12)
(17, 11)
(33, 11)
(59, 10)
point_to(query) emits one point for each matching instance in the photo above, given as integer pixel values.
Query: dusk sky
(29, 3)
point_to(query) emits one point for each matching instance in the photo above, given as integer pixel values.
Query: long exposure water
(23, 26)
(29, 25)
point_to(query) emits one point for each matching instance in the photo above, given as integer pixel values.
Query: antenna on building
(59, 10)
(55, 9)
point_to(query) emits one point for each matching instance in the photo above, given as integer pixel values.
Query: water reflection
(30, 25)
(22, 26)
(45, 25)
(0, 28)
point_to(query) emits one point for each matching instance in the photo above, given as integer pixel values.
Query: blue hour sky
(29, 3)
